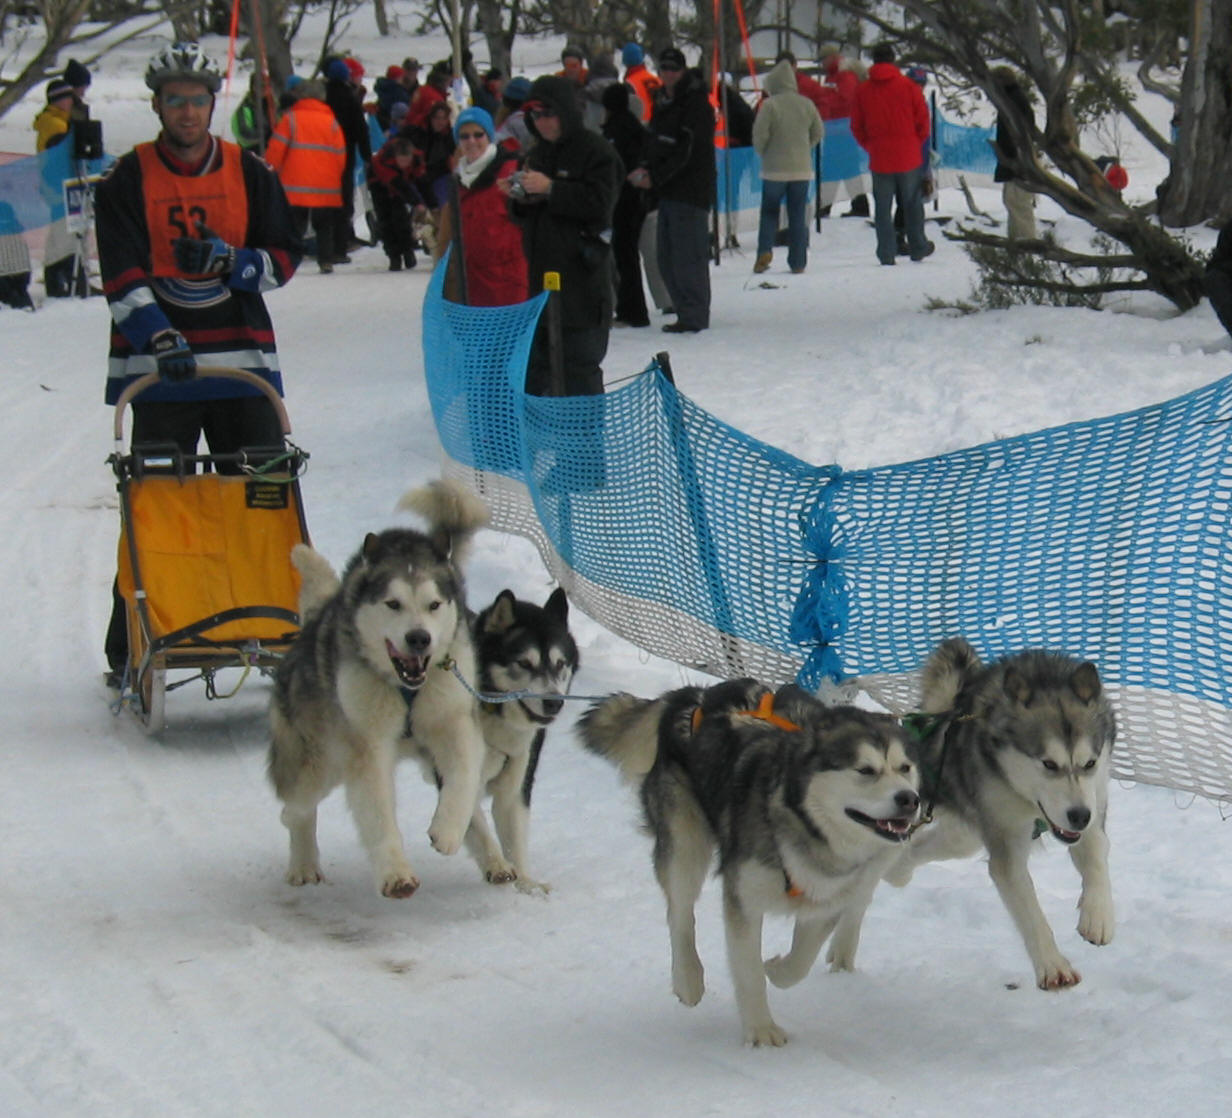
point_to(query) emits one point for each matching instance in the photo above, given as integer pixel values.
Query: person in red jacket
(428, 95)
(476, 220)
(890, 121)
(308, 151)
(838, 93)
(393, 178)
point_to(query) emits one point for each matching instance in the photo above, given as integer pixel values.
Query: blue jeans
(906, 187)
(773, 194)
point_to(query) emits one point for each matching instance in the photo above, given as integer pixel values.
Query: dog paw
(689, 981)
(841, 960)
(499, 872)
(765, 1035)
(1095, 923)
(527, 885)
(446, 840)
(305, 875)
(1058, 976)
(399, 885)
(782, 972)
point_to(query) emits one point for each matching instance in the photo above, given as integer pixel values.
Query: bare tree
(1046, 41)
(1197, 186)
(60, 20)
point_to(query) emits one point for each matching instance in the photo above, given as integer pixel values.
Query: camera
(517, 188)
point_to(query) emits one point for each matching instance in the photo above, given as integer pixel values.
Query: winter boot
(763, 262)
(395, 263)
(859, 206)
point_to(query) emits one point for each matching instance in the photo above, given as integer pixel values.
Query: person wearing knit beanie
(57, 89)
(76, 74)
(516, 91)
(632, 54)
(475, 115)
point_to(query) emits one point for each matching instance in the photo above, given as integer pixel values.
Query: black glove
(175, 360)
(209, 256)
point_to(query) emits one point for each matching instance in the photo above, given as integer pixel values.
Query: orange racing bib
(175, 203)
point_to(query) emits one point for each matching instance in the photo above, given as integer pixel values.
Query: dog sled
(204, 558)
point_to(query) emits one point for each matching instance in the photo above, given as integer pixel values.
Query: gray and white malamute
(1022, 747)
(519, 647)
(370, 644)
(805, 804)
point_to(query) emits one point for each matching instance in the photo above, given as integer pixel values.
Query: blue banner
(956, 147)
(31, 189)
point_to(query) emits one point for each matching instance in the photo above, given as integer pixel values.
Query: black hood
(559, 94)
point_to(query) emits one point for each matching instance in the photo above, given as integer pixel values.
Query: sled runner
(204, 557)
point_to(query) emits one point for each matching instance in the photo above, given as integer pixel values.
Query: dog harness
(764, 713)
(924, 726)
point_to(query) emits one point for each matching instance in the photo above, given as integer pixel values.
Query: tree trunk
(1196, 189)
(497, 34)
(658, 26)
(60, 20)
(382, 18)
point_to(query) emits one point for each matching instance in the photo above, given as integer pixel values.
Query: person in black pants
(679, 166)
(628, 136)
(564, 200)
(229, 238)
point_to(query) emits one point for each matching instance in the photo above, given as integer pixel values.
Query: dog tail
(624, 729)
(947, 671)
(451, 510)
(318, 580)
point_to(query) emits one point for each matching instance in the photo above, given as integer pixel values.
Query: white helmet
(182, 62)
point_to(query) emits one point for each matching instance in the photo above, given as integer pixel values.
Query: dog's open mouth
(411, 670)
(1060, 833)
(896, 829)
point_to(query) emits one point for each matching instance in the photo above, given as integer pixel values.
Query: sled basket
(204, 564)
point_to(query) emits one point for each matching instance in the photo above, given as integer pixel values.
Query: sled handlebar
(221, 371)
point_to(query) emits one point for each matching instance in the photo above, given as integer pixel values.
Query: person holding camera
(192, 231)
(564, 199)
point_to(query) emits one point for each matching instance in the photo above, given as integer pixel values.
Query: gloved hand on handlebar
(209, 256)
(175, 360)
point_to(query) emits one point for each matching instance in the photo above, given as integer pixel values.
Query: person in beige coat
(785, 132)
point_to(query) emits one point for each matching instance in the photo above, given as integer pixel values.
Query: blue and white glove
(175, 360)
(209, 256)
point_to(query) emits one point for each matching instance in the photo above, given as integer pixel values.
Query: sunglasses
(540, 114)
(179, 100)
(472, 135)
(669, 68)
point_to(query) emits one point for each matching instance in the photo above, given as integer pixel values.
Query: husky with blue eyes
(526, 661)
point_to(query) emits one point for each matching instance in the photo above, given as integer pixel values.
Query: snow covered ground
(152, 961)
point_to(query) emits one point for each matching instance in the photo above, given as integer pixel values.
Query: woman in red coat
(485, 237)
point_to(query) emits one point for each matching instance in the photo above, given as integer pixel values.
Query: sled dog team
(807, 806)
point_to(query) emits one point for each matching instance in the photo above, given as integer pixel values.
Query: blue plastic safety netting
(1105, 539)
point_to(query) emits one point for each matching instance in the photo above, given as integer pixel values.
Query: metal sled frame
(150, 653)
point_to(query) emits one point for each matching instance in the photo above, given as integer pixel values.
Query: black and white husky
(371, 640)
(526, 650)
(806, 806)
(1021, 747)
